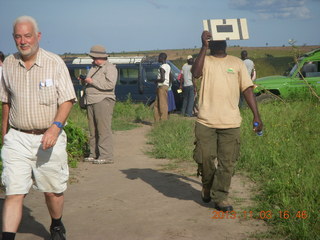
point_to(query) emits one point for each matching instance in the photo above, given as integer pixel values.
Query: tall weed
(126, 115)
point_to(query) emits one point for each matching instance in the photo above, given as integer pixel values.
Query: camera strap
(95, 72)
(84, 87)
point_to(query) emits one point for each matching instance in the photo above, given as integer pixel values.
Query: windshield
(174, 69)
(293, 70)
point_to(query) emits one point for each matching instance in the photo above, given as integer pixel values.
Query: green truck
(304, 74)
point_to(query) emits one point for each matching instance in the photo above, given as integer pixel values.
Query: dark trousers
(220, 144)
(188, 101)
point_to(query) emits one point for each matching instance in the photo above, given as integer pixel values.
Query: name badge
(49, 82)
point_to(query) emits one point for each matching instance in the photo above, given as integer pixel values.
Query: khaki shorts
(25, 163)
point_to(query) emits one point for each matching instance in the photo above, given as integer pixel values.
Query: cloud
(267, 9)
(156, 4)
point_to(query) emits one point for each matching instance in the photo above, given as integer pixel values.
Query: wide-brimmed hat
(98, 51)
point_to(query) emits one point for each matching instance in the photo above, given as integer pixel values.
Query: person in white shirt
(163, 82)
(249, 64)
(251, 71)
(188, 87)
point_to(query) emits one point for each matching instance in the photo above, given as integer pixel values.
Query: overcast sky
(133, 25)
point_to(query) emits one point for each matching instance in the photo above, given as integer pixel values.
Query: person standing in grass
(188, 88)
(217, 129)
(37, 95)
(100, 92)
(163, 82)
(251, 70)
(249, 64)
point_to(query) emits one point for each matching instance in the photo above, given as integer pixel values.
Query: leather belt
(33, 131)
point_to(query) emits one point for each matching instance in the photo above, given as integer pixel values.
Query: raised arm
(198, 64)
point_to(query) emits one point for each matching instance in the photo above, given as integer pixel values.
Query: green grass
(284, 163)
(171, 139)
(78, 117)
(127, 115)
(174, 139)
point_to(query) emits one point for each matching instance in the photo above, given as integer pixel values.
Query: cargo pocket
(4, 178)
(197, 157)
(197, 154)
(236, 154)
(236, 151)
(63, 157)
(64, 174)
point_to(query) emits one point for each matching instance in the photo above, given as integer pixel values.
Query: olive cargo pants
(223, 144)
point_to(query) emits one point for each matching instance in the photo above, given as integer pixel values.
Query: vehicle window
(75, 73)
(174, 70)
(151, 73)
(311, 69)
(128, 76)
(293, 70)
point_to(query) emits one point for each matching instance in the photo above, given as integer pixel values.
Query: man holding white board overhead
(217, 129)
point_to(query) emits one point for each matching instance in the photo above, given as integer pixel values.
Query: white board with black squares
(227, 29)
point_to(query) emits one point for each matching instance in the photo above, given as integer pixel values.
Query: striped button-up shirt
(35, 94)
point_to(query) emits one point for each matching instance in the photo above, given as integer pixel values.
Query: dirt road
(134, 199)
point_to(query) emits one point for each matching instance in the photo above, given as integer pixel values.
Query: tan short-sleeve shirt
(222, 81)
(35, 94)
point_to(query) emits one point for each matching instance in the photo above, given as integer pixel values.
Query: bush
(77, 144)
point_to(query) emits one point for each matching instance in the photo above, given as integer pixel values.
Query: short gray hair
(27, 19)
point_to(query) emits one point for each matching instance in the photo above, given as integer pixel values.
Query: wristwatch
(59, 124)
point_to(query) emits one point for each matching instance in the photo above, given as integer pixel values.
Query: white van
(114, 60)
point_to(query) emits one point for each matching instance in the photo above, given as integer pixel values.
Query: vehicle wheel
(264, 98)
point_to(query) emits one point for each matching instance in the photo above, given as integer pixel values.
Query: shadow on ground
(169, 184)
(143, 122)
(28, 223)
